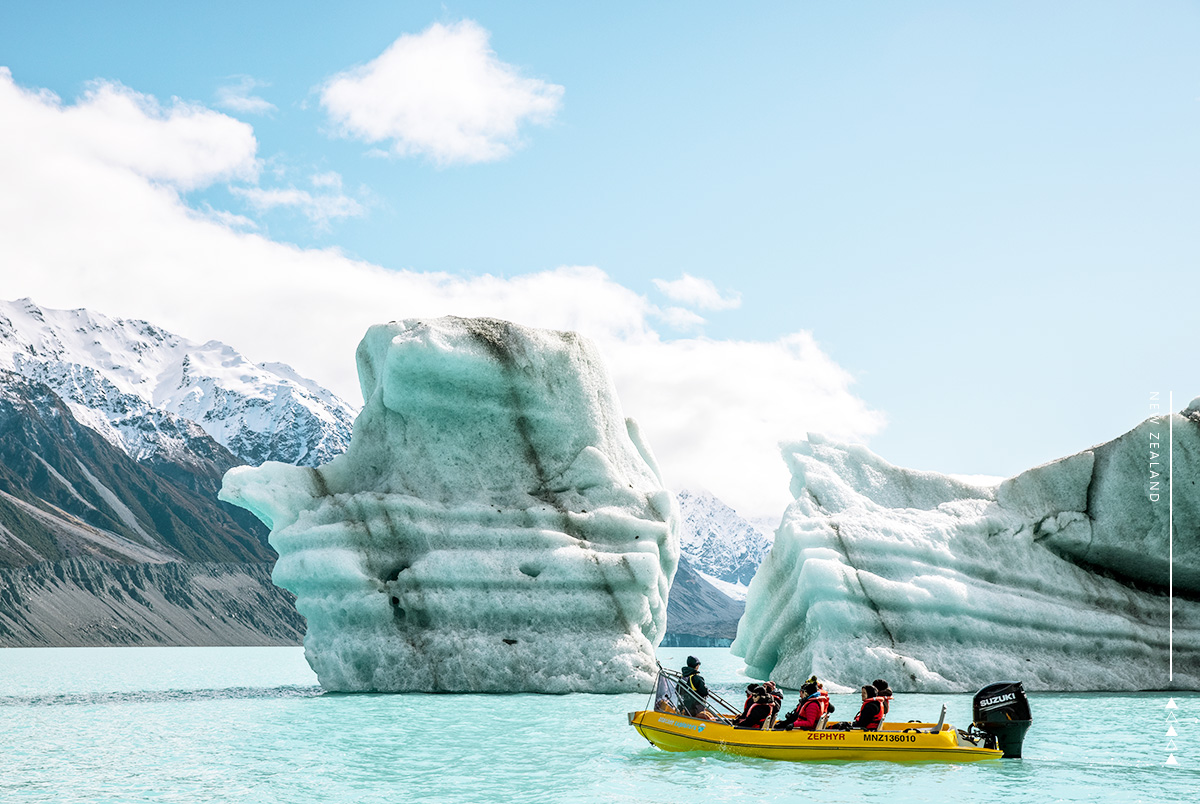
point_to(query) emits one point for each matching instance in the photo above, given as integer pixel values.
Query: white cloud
(715, 411)
(441, 93)
(330, 178)
(185, 146)
(681, 319)
(230, 219)
(79, 227)
(697, 292)
(320, 208)
(238, 98)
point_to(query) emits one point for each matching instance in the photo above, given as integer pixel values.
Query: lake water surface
(251, 725)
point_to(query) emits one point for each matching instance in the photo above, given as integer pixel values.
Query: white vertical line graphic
(1171, 535)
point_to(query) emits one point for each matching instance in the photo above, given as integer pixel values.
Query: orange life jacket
(876, 720)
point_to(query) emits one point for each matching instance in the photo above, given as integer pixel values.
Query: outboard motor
(1002, 713)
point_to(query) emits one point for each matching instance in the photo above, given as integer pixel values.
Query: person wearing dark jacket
(871, 714)
(759, 707)
(776, 697)
(751, 691)
(883, 691)
(692, 690)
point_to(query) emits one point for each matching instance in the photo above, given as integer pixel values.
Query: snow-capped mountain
(150, 392)
(97, 548)
(721, 545)
(719, 553)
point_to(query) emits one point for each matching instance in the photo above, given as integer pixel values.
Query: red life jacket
(822, 704)
(754, 716)
(876, 719)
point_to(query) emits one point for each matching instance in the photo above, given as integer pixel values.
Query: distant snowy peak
(142, 387)
(719, 543)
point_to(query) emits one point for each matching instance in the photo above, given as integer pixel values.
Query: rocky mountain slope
(86, 602)
(96, 548)
(114, 436)
(66, 492)
(698, 613)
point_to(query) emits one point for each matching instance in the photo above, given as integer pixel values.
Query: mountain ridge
(146, 390)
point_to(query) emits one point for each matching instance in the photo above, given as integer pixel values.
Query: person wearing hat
(814, 705)
(883, 691)
(759, 707)
(693, 692)
(752, 691)
(776, 697)
(870, 716)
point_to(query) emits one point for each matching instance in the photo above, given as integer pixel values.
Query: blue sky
(984, 215)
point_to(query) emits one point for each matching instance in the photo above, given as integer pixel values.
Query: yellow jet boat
(667, 728)
(897, 742)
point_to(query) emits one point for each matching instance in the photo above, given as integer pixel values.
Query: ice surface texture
(495, 525)
(1056, 577)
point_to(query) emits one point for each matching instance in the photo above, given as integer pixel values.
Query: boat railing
(671, 686)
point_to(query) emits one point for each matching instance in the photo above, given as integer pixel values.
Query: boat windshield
(670, 688)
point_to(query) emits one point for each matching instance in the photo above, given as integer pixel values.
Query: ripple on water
(122, 734)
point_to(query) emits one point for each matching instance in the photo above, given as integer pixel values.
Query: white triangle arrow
(1171, 704)
(1171, 731)
(1172, 747)
(1171, 718)
(1171, 760)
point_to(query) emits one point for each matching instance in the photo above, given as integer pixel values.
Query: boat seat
(941, 720)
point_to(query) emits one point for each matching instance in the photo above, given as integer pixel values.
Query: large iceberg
(1058, 577)
(496, 524)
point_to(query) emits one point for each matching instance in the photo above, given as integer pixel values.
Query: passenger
(759, 706)
(829, 707)
(813, 706)
(751, 691)
(870, 715)
(883, 691)
(776, 697)
(692, 690)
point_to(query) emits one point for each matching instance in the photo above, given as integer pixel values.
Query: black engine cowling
(1002, 711)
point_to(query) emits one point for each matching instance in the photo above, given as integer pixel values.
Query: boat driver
(692, 690)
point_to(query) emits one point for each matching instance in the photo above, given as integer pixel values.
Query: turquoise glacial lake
(251, 725)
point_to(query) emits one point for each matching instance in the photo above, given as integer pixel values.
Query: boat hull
(672, 732)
